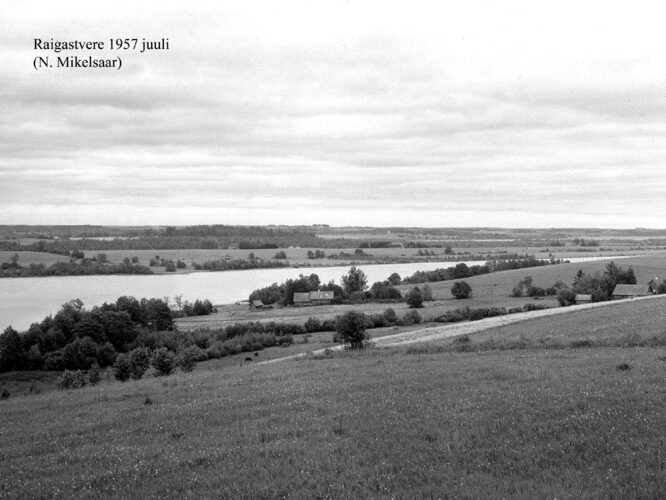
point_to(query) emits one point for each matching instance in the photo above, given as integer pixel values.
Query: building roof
(257, 303)
(301, 297)
(622, 290)
(321, 295)
(583, 296)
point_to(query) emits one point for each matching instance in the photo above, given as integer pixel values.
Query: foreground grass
(381, 423)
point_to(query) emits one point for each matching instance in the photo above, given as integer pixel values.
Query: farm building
(630, 291)
(301, 298)
(583, 298)
(256, 304)
(312, 298)
(321, 298)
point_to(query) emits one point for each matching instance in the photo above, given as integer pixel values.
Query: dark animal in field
(248, 359)
(256, 354)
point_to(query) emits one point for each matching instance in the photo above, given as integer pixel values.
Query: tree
(427, 293)
(80, 354)
(394, 279)
(351, 329)
(461, 290)
(414, 298)
(12, 355)
(158, 314)
(354, 281)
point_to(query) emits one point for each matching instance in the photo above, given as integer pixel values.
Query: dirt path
(467, 327)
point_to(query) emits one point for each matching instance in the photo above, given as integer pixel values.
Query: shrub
(358, 297)
(71, 380)
(485, 312)
(163, 361)
(566, 297)
(350, 327)
(170, 267)
(121, 368)
(94, 374)
(412, 318)
(414, 298)
(378, 321)
(180, 264)
(139, 360)
(551, 291)
(312, 325)
(517, 290)
(5, 394)
(535, 307)
(328, 325)
(427, 292)
(283, 340)
(189, 357)
(135, 260)
(54, 361)
(461, 290)
(390, 316)
(536, 291)
(280, 255)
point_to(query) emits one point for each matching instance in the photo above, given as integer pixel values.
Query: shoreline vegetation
(79, 265)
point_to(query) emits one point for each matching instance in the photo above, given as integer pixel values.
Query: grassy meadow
(392, 423)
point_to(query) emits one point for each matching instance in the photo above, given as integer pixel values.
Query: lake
(26, 300)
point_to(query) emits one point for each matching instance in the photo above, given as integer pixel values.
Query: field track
(453, 330)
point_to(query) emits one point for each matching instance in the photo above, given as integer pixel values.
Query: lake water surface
(26, 300)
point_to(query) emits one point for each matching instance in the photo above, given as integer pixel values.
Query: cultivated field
(27, 258)
(527, 422)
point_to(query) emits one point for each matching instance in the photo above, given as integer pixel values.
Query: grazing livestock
(248, 359)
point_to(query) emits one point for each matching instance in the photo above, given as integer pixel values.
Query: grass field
(401, 423)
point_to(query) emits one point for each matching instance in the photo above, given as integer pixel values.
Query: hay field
(530, 423)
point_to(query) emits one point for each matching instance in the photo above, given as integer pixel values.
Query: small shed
(256, 304)
(623, 291)
(583, 298)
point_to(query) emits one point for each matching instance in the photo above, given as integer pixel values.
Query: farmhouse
(312, 298)
(583, 298)
(630, 291)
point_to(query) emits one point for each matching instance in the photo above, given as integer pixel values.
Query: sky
(434, 114)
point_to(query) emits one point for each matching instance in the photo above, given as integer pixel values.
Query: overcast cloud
(347, 113)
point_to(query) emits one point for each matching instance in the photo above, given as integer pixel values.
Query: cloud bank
(361, 114)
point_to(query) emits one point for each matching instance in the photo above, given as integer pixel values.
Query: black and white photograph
(334, 249)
